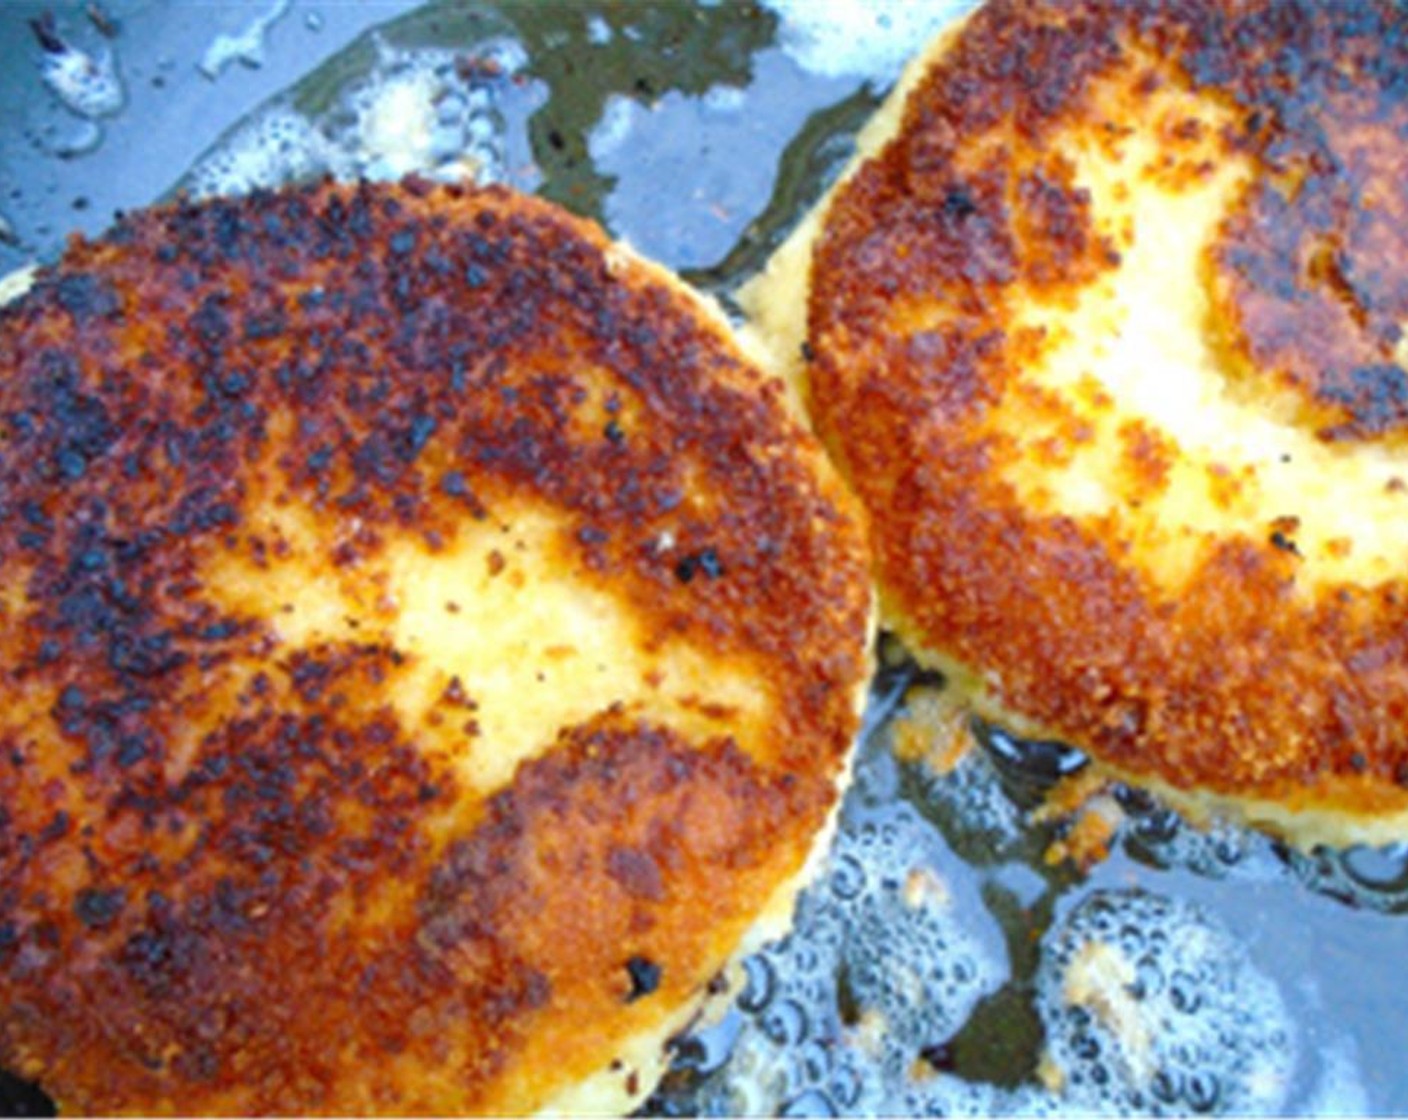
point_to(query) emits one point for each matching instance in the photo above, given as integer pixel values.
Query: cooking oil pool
(918, 982)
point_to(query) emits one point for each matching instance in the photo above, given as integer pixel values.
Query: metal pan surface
(942, 962)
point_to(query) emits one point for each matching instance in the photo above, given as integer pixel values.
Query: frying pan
(701, 132)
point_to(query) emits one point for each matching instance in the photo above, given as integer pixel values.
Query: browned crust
(1236, 684)
(315, 915)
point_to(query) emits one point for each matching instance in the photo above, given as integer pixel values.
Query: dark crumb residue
(645, 977)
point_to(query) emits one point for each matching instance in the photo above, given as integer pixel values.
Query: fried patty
(429, 647)
(1106, 327)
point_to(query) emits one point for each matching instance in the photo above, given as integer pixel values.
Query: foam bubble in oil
(86, 82)
(1365, 878)
(433, 111)
(1152, 1007)
(276, 146)
(86, 87)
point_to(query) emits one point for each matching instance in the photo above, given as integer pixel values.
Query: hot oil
(1150, 1005)
(390, 106)
(942, 965)
(941, 962)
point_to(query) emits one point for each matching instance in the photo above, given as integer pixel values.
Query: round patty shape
(1106, 327)
(429, 646)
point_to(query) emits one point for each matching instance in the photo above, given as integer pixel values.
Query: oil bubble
(784, 1023)
(1189, 1025)
(847, 877)
(845, 1085)
(1384, 870)
(811, 1103)
(1202, 1092)
(424, 110)
(275, 147)
(1366, 878)
(1040, 762)
(760, 982)
(1156, 835)
(950, 1096)
(813, 1062)
(707, 1049)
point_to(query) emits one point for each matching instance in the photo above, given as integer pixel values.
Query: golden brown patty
(428, 646)
(1107, 330)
